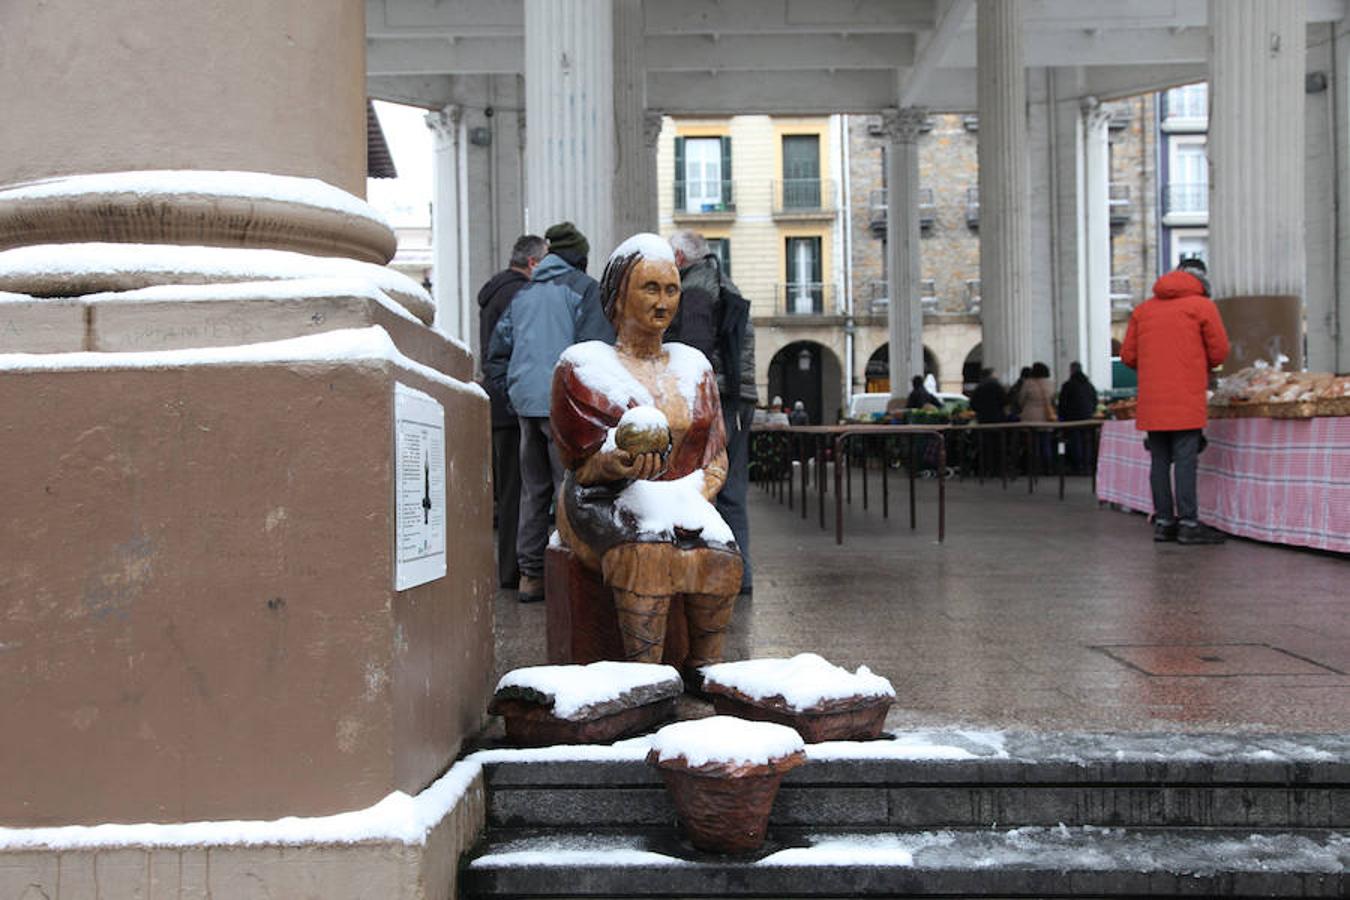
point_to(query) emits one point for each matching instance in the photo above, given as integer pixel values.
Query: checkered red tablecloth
(1280, 480)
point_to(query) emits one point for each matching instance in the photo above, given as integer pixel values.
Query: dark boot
(1164, 531)
(1199, 533)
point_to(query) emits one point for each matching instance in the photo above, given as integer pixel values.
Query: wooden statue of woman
(639, 429)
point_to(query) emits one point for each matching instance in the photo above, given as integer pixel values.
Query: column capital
(651, 127)
(903, 126)
(445, 121)
(1095, 113)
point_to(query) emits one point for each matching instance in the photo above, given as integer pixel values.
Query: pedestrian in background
(493, 300)
(558, 308)
(1173, 341)
(1077, 402)
(714, 317)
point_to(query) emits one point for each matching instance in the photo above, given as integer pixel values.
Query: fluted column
(569, 95)
(1094, 350)
(905, 315)
(1256, 154)
(1005, 224)
(635, 166)
(449, 237)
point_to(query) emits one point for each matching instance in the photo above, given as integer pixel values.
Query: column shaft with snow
(1256, 134)
(1005, 224)
(449, 232)
(254, 567)
(1094, 297)
(569, 98)
(905, 315)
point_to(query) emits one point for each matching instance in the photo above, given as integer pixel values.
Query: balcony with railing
(973, 296)
(807, 298)
(1186, 108)
(1186, 202)
(705, 200)
(879, 302)
(803, 198)
(1122, 294)
(973, 207)
(1122, 204)
(878, 201)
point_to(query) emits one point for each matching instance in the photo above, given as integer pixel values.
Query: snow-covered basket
(818, 699)
(723, 774)
(593, 704)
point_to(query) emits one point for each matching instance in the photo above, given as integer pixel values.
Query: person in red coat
(1173, 340)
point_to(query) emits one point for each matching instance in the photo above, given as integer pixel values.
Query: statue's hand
(617, 464)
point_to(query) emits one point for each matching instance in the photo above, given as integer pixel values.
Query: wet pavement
(1040, 614)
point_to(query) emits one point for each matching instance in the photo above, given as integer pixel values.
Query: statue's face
(653, 296)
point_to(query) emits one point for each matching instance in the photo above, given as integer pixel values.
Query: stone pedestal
(201, 546)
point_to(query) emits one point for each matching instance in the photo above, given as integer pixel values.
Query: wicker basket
(849, 719)
(1299, 409)
(532, 725)
(722, 808)
(1332, 406)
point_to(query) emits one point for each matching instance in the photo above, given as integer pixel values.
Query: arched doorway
(877, 374)
(809, 372)
(971, 368)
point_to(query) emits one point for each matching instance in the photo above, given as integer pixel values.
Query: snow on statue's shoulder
(581, 693)
(596, 365)
(689, 366)
(725, 740)
(646, 245)
(804, 682)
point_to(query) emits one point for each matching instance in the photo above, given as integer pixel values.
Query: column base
(1262, 327)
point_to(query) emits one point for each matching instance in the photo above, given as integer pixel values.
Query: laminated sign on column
(419, 500)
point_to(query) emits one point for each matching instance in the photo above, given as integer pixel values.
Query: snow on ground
(660, 506)
(345, 344)
(725, 740)
(193, 182)
(577, 690)
(803, 681)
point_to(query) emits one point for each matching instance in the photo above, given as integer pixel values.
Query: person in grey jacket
(701, 281)
(558, 308)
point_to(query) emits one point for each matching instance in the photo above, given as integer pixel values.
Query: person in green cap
(558, 308)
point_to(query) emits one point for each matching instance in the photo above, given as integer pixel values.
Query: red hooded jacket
(1174, 339)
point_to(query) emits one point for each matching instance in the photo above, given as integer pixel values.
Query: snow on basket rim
(725, 740)
(577, 690)
(646, 245)
(296, 189)
(803, 681)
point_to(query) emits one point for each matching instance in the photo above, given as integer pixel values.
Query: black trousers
(731, 501)
(506, 483)
(1175, 456)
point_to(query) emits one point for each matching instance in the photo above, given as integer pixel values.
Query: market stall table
(1284, 481)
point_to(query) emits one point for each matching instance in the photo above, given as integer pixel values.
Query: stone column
(569, 93)
(905, 315)
(1094, 315)
(635, 164)
(449, 237)
(1005, 222)
(1256, 135)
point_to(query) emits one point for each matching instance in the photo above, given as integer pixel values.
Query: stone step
(1259, 782)
(1025, 862)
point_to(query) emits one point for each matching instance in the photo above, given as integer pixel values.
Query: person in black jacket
(493, 300)
(1077, 401)
(988, 401)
